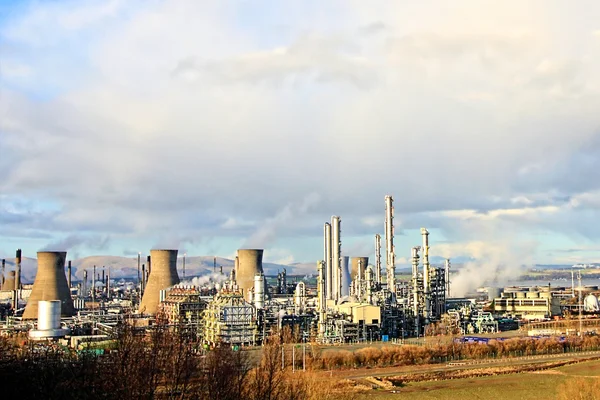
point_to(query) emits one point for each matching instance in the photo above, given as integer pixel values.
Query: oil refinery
(352, 300)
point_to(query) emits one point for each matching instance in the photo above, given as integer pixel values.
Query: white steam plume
(267, 231)
(495, 264)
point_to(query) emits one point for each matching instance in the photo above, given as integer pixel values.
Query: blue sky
(208, 126)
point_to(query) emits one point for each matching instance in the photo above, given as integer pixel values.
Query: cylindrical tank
(249, 264)
(163, 275)
(259, 291)
(50, 284)
(590, 304)
(48, 315)
(356, 261)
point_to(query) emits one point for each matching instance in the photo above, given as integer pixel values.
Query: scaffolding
(183, 306)
(230, 319)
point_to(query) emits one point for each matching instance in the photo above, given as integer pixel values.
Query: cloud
(208, 125)
(268, 230)
(75, 241)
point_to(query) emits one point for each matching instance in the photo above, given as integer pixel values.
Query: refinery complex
(352, 299)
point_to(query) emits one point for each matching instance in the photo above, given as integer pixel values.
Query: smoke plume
(495, 265)
(268, 230)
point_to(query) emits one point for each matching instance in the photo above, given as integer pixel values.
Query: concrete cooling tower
(50, 284)
(364, 262)
(345, 276)
(163, 275)
(249, 264)
(9, 281)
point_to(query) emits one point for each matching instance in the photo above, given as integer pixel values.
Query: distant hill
(126, 267)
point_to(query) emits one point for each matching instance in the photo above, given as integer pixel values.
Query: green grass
(507, 387)
(521, 386)
(588, 368)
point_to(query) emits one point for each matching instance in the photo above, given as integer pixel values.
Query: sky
(210, 126)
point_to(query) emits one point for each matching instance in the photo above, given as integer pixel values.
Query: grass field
(523, 386)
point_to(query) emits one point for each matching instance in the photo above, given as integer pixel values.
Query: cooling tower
(364, 262)
(9, 281)
(345, 276)
(164, 275)
(50, 284)
(249, 264)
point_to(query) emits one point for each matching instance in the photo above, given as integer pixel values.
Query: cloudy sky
(212, 125)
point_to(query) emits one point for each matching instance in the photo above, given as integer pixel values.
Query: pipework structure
(389, 244)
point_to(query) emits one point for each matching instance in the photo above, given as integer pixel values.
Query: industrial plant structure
(352, 300)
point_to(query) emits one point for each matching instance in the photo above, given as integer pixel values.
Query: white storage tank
(48, 321)
(259, 291)
(590, 304)
(48, 315)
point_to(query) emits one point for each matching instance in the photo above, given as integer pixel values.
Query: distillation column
(335, 257)
(328, 266)
(378, 259)
(415, 284)
(389, 244)
(321, 297)
(426, 283)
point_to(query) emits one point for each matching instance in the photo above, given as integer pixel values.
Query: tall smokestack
(149, 265)
(328, 273)
(336, 246)
(389, 244)
(108, 284)
(143, 283)
(85, 276)
(18, 270)
(139, 268)
(426, 287)
(94, 285)
(378, 259)
(163, 277)
(249, 264)
(17, 279)
(447, 276)
(2, 278)
(69, 275)
(50, 284)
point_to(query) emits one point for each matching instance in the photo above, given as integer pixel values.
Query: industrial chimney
(50, 284)
(248, 265)
(163, 276)
(2, 278)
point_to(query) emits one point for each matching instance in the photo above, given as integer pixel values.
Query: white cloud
(198, 117)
